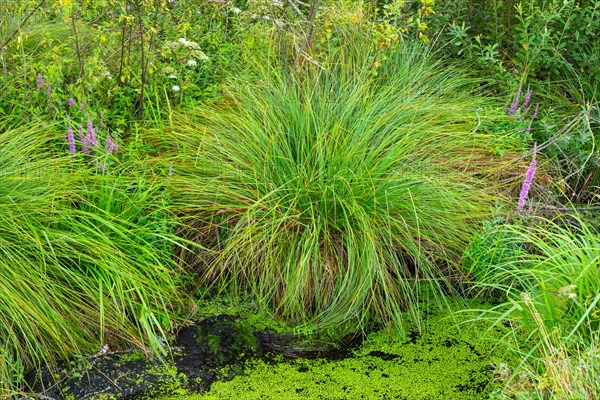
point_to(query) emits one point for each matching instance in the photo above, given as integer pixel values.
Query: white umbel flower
(175, 88)
(191, 63)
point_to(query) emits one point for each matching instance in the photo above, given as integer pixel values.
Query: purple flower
(48, 90)
(81, 105)
(91, 136)
(71, 140)
(40, 81)
(71, 102)
(527, 98)
(85, 143)
(110, 146)
(528, 181)
(515, 104)
(535, 113)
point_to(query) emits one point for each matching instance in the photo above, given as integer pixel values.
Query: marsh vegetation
(329, 169)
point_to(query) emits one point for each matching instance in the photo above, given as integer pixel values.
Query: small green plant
(556, 367)
(559, 271)
(491, 247)
(552, 306)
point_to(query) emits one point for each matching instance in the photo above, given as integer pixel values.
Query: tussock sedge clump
(85, 257)
(337, 192)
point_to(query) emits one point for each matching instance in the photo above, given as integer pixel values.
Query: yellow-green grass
(332, 193)
(85, 257)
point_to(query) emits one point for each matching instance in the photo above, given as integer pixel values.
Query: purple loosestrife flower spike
(71, 102)
(110, 146)
(81, 105)
(91, 136)
(535, 113)
(515, 104)
(48, 90)
(527, 98)
(528, 181)
(40, 81)
(85, 143)
(71, 140)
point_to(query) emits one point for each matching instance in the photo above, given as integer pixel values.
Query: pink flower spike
(527, 98)
(40, 81)
(535, 113)
(108, 143)
(71, 102)
(71, 140)
(85, 143)
(91, 136)
(514, 106)
(81, 105)
(528, 181)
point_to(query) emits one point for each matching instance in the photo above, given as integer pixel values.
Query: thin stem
(311, 21)
(77, 48)
(4, 68)
(122, 58)
(23, 22)
(140, 110)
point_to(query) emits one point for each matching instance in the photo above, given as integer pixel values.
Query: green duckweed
(444, 362)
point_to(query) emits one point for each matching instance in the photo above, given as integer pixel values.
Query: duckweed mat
(230, 357)
(444, 362)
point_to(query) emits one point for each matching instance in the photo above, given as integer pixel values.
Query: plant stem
(23, 22)
(77, 48)
(311, 21)
(121, 59)
(140, 102)
(4, 68)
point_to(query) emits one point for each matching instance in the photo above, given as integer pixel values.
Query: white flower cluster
(196, 52)
(185, 42)
(170, 72)
(568, 291)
